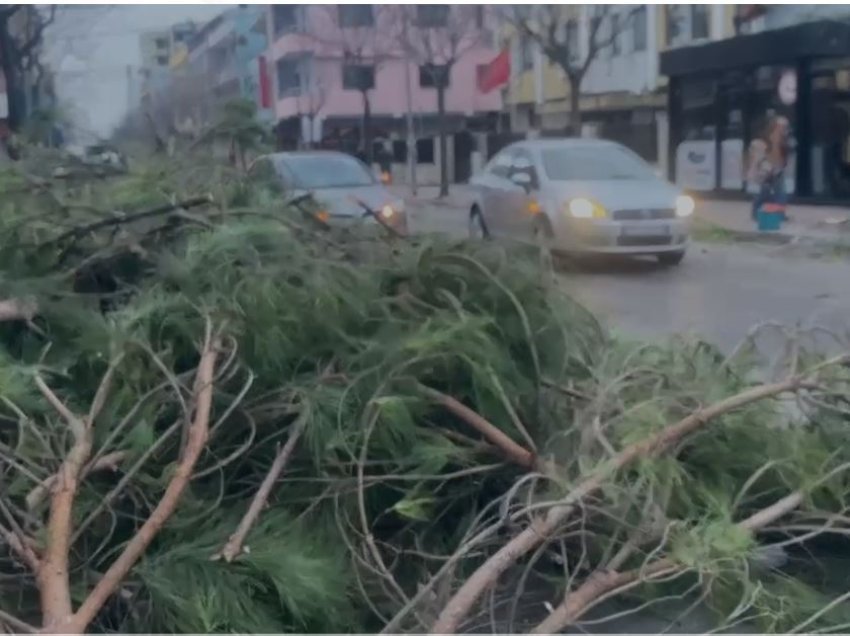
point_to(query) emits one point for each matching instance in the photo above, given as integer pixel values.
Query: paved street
(719, 291)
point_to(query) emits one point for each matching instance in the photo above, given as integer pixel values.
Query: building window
(699, 21)
(356, 15)
(285, 18)
(425, 150)
(433, 75)
(161, 43)
(615, 34)
(526, 53)
(292, 76)
(639, 29)
(430, 16)
(399, 151)
(673, 19)
(358, 77)
(162, 60)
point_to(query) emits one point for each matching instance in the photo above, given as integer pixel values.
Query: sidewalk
(817, 224)
(809, 222)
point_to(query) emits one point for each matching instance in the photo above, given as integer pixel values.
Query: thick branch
(129, 218)
(513, 451)
(35, 39)
(233, 547)
(543, 527)
(53, 579)
(134, 549)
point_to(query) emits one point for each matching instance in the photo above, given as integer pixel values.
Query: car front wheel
(670, 259)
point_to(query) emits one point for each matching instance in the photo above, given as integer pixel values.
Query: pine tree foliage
(353, 332)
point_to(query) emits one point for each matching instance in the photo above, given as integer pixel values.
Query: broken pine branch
(605, 582)
(198, 434)
(234, 545)
(542, 527)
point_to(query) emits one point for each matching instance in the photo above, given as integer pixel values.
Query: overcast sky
(94, 51)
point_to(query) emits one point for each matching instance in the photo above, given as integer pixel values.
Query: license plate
(645, 230)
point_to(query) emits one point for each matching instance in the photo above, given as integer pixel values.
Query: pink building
(330, 63)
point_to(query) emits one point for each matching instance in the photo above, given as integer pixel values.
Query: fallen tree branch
(513, 451)
(109, 461)
(129, 218)
(17, 624)
(542, 527)
(198, 433)
(53, 572)
(17, 539)
(603, 581)
(233, 547)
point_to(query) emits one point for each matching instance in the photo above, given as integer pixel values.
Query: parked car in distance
(340, 184)
(580, 195)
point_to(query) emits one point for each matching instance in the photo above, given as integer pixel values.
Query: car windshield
(328, 171)
(594, 164)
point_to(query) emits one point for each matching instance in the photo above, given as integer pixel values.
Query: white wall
(630, 70)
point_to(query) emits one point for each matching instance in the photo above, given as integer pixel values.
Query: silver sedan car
(341, 185)
(580, 195)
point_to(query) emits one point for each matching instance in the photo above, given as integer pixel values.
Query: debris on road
(375, 433)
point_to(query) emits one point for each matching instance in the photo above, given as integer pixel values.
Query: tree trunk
(366, 132)
(574, 125)
(441, 124)
(10, 64)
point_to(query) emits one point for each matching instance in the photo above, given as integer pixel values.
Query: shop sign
(696, 166)
(787, 87)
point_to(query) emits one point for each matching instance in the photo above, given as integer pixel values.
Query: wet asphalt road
(718, 292)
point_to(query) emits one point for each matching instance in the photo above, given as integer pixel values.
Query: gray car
(580, 195)
(342, 186)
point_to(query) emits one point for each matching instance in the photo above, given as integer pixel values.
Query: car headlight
(685, 205)
(583, 208)
(389, 210)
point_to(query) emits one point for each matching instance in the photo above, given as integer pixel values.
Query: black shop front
(722, 96)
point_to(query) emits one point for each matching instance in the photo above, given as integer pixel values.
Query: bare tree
(311, 102)
(346, 35)
(436, 37)
(555, 29)
(21, 31)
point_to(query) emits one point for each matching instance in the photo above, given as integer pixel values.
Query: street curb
(723, 233)
(755, 236)
(780, 239)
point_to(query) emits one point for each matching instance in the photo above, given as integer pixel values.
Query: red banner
(265, 84)
(496, 73)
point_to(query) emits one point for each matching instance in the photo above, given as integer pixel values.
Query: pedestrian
(768, 162)
(778, 151)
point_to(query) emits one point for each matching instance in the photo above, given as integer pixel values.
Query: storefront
(724, 97)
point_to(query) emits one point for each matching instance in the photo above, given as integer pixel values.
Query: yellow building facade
(622, 92)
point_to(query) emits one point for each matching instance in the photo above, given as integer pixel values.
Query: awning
(776, 46)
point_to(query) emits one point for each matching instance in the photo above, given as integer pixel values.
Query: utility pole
(411, 137)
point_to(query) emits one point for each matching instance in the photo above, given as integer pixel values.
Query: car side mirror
(522, 179)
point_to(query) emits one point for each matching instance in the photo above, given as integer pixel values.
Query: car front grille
(644, 214)
(641, 241)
